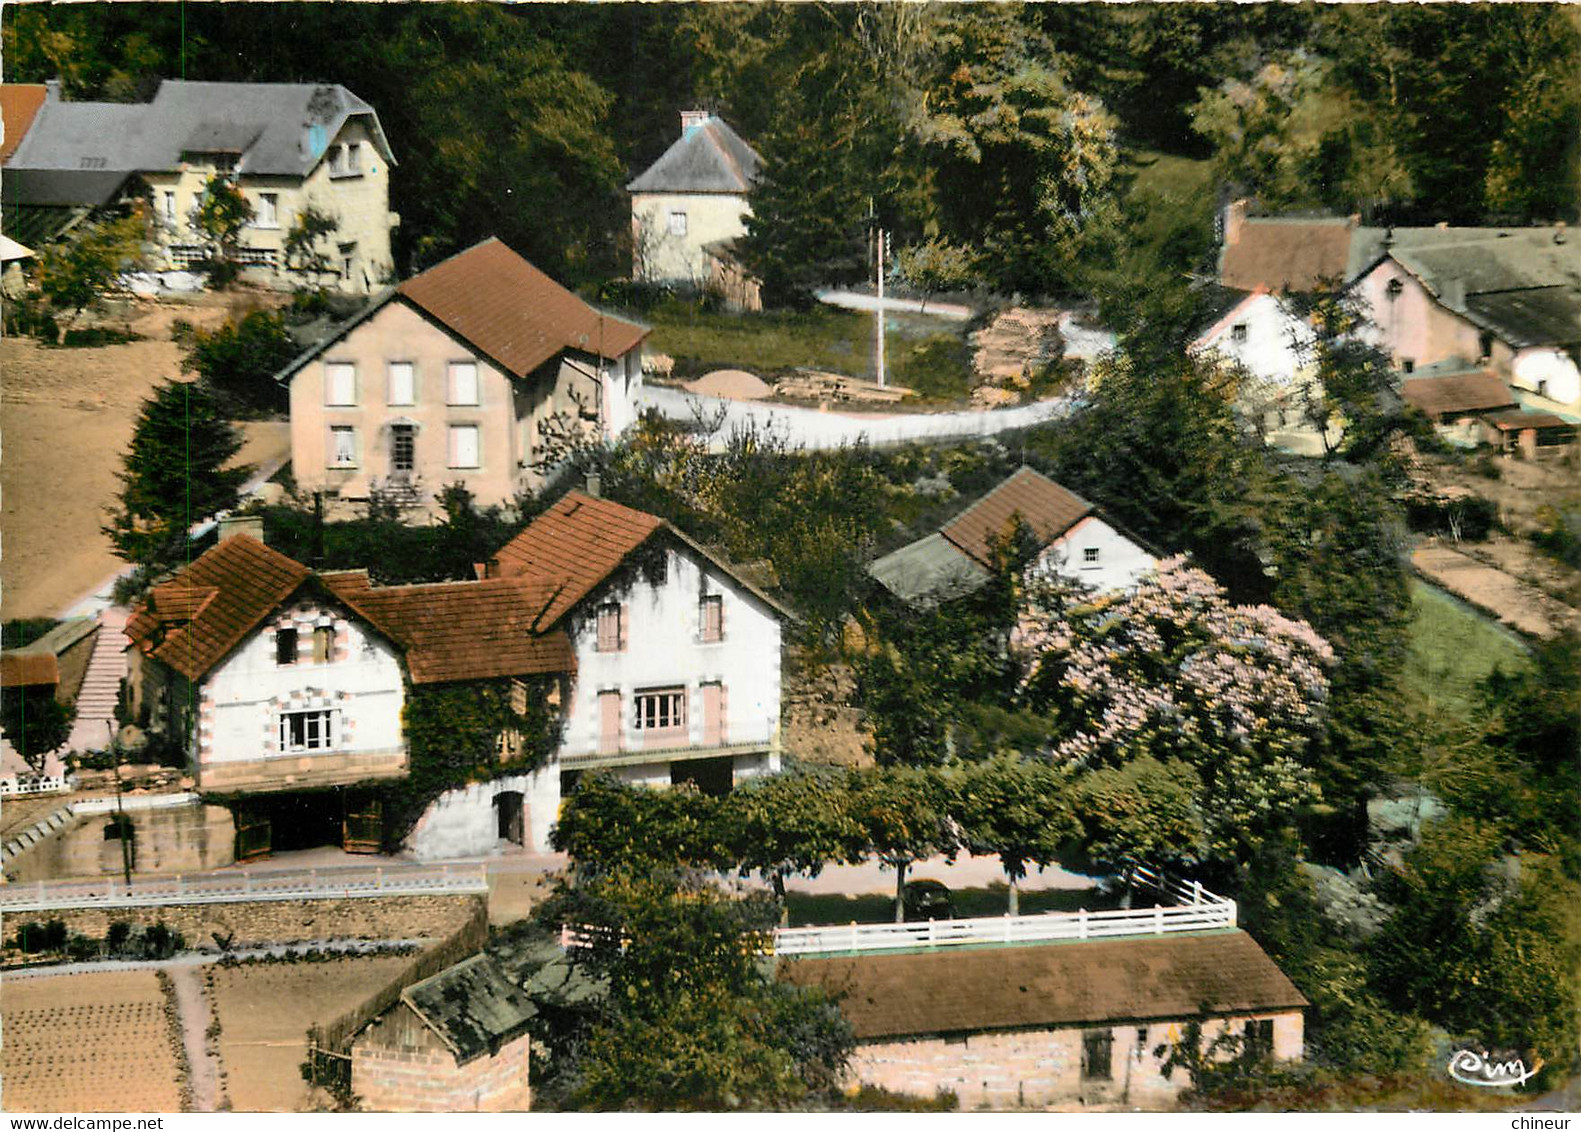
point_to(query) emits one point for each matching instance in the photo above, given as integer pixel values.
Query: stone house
(476, 372)
(290, 148)
(287, 687)
(689, 205)
(1074, 541)
(1087, 1022)
(454, 1042)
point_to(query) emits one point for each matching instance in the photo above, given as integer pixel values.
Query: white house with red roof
(286, 687)
(478, 371)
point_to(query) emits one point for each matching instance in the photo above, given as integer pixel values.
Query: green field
(1452, 647)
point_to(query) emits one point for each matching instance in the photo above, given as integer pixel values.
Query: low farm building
(454, 1042)
(1084, 1022)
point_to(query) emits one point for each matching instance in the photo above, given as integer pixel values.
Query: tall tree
(176, 471)
(903, 815)
(1015, 809)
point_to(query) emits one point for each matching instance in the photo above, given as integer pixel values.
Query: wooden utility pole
(879, 315)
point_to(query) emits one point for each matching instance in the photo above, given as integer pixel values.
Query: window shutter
(609, 722)
(340, 380)
(402, 385)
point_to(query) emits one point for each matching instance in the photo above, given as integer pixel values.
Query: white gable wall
(1275, 339)
(1096, 555)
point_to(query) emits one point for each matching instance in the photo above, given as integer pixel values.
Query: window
(1392, 291)
(340, 383)
(1408, 365)
(307, 730)
(1542, 388)
(403, 384)
(677, 223)
(285, 646)
(346, 160)
(323, 644)
(1095, 1050)
(342, 446)
(1141, 1042)
(711, 616)
(1485, 345)
(609, 627)
(1259, 1037)
(1238, 332)
(403, 448)
(661, 709)
(464, 446)
(1089, 556)
(170, 204)
(462, 386)
(268, 210)
(354, 157)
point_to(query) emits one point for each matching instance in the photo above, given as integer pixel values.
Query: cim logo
(1470, 1067)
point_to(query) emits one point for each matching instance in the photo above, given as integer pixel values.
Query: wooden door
(362, 829)
(254, 837)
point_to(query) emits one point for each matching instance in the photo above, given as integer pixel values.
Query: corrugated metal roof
(1046, 507)
(954, 991)
(1457, 393)
(288, 126)
(19, 102)
(514, 313)
(707, 158)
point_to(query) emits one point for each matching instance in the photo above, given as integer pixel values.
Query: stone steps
(34, 834)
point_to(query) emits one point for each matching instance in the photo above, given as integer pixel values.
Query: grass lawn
(806, 909)
(922, 354)
(1452, 647)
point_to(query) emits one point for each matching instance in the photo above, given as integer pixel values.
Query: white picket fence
(41, 784)
(246, 887)
(811, 428)
(1196, 910)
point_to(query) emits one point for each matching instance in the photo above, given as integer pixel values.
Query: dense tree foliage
(72, 273)
(35, 723)
(177, 471)
(238, 361)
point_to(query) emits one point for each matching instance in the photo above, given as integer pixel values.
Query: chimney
(691, 119)
(1453, 294)
(1234, 221)
(595, 484)
(232, 525)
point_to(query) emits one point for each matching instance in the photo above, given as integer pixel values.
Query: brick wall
(396, 1080)
(284, 921)
(1032, 1069)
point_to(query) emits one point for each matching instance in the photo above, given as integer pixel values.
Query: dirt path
(194, 1008)
(1508, 598)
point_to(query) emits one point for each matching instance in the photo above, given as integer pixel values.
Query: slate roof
(60, 187)
(929, 571)
(1046, 507)
(1540, 317)
(1461, 393)
(19, 102)
(707, 158)
(287, 127)
(514, 313)
(472, 1008)
(191, 629)
(1165, 977)
(462, 630)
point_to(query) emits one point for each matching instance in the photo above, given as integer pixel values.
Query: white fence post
(1081, 923)
(1158, 919)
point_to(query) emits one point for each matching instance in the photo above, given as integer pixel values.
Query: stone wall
(170, 839)
(282, 921)
(1035, 1068)
(395, 1080)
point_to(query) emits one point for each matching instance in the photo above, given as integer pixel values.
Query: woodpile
(817, 385)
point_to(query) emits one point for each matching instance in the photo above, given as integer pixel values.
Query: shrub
(82, 948)
(161, 942)
(118, 938)
(1471, 518)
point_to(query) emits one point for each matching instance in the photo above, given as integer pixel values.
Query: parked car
(927, 900)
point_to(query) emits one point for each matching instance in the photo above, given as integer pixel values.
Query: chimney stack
(691, 119)
(1234, 221)
(595, 485)
(232, 525)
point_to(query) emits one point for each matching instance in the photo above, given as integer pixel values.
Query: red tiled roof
(28, 669)
(1457, 393)
(514, 313)
(1046, 507)
(1284, 255)
(19, 102)
(1050, 985)
(574, 546)
(1517, 419)
(248, 582)
(462, 630)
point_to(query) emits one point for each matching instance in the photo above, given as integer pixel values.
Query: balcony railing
(586, 760)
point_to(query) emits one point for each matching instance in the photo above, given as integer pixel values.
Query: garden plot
(264, 1011)
(88, 1043)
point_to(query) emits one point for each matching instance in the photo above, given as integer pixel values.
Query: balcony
(598, 760)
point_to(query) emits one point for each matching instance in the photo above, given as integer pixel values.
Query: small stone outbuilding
(455, 1042)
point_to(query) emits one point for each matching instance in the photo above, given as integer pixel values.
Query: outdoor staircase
(101, 685)
(57, 821)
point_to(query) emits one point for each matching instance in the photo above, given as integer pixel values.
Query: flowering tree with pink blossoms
(1171, 671)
